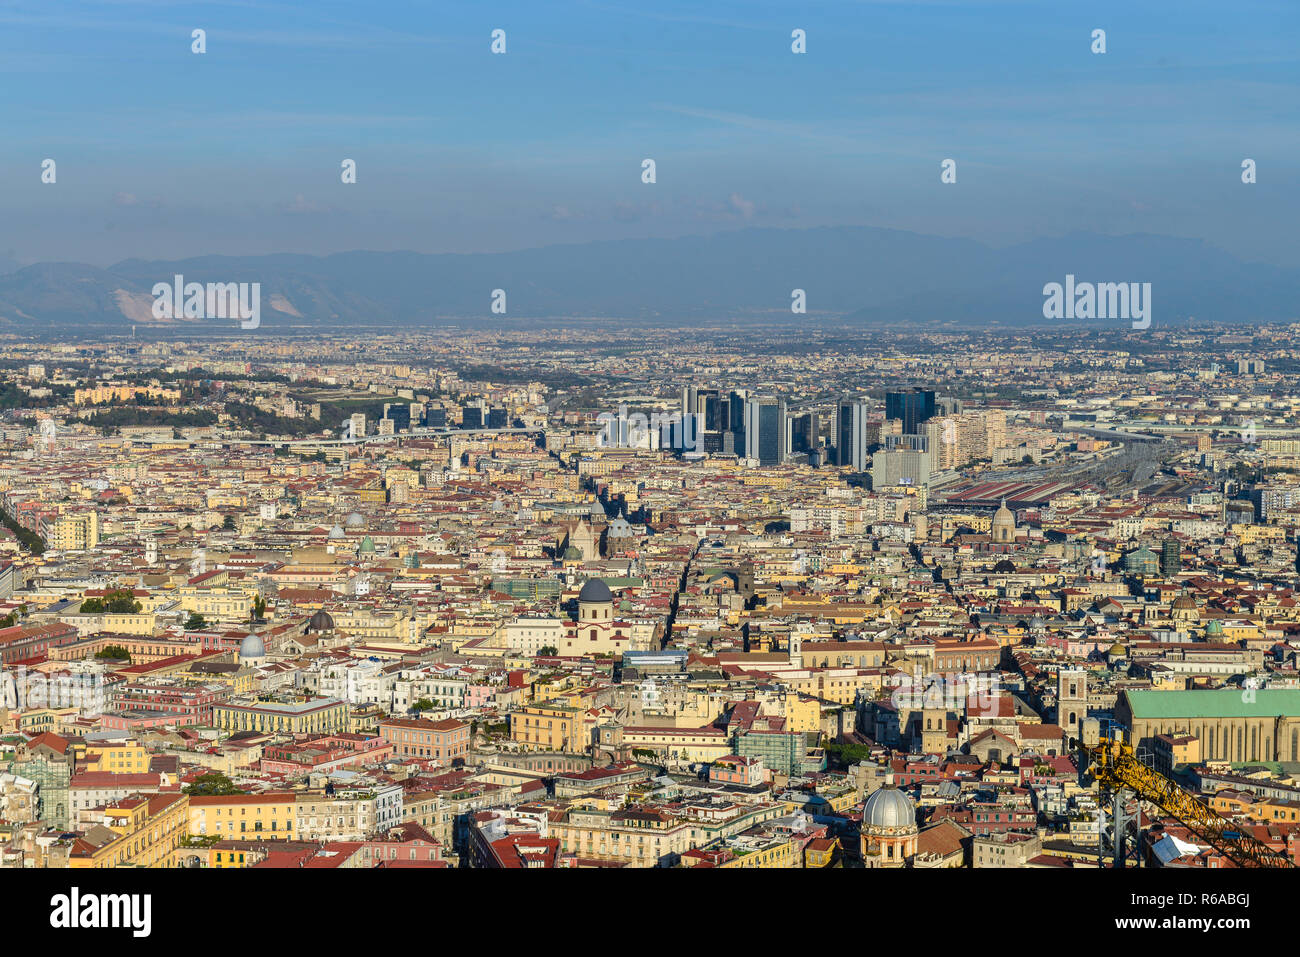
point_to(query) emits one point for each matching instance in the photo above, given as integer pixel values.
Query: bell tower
(1071, 701)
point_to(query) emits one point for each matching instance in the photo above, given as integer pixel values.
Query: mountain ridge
(867, 275)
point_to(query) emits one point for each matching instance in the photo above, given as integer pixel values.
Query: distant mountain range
(861, 274)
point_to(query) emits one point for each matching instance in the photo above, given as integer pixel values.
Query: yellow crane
(1114, 765)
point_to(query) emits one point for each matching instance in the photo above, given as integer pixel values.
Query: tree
(115, 652)
(228, 523)
(259, 607)
(424, 704)
(547, 650)
(9, 620)
(195, 622)
(847, 754)
(119, 601)
(210, 784)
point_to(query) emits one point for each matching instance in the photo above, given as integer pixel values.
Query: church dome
(595, 590)
(1004, 524)
(337, 532)
(321, 621)
(1185, 602)
(1214, 629)
(888, 807)
(355, 520)
(252, 647)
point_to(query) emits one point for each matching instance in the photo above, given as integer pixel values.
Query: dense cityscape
(633, 596)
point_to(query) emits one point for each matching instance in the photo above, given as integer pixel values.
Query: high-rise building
(1171, 557)
(900, 467)
(399, 415)
(912, 408)
(854, 435)
(804, 432)
(736, 421)
(471, 417)
(767, 433)
(714, 412)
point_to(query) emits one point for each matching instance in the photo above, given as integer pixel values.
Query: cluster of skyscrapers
(764, 430)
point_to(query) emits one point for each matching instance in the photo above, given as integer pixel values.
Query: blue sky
(164, 153)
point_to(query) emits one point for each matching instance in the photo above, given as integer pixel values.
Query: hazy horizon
(167, 154)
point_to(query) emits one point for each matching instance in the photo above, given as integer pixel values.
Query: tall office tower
(471, 417)
(710, 402)
(853, 435)
(767, 434)
(435, 417)
(399, 415)
(357, 425)
(736, 420)
(498, 419)
(1171, 557)
(712, 409)
(912, 408)
(803, 432)
(682, 433)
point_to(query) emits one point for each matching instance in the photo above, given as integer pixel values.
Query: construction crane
(1115, 766)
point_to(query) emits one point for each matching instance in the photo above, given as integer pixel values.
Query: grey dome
(321, 621)
(595, 590)
(252, 647)
(355, 520)
(888, 807)
(337, 532)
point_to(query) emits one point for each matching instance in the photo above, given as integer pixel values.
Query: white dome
(888, 807)
(355, 520)
(337, 532)
(252, 647)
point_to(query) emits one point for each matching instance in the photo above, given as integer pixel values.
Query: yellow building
(802, 713)
(547, 728)
(267, 816)
(71, 532)
(685, 744)
(315, 715)
(145, 832)
(126, 758)
(763, 852)
(217, 603)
